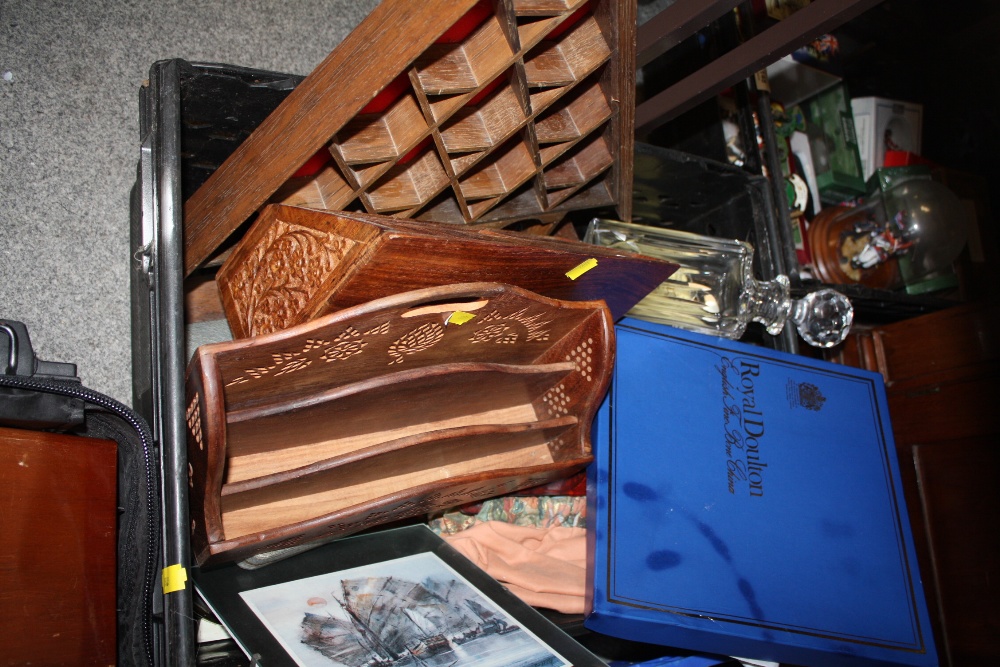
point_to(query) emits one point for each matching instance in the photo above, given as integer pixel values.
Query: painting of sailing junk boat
(414, 611)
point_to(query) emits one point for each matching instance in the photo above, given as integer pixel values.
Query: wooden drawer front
(57, 555)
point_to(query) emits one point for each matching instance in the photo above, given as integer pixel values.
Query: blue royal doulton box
(748, 502)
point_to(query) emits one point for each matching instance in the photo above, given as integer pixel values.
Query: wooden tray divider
(547, 68)
(479, 207)
(448, 210)
(475, 129)
(350, 416)
(463, 453)
(501, 174)
(525, 202)
(585, 162)
(574, 117)
(507, 19)
(579, 53)
(541, 98)
(583, 166)
(327, 189)
(545, 7)
(585, 48)
(409, 184)
(531, 139)
(535, 24)
(359, 176)
(462, 164)
(387, 448)
(379, 137)
(592, 195)
(447, 69)
(532, 29)
(553, 152)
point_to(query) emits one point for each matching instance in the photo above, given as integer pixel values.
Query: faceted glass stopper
(714, 290)
(823, 317)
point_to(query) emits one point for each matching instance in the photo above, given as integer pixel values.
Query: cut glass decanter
(714, 291)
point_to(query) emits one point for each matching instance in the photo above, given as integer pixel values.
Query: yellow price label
(459, 317)
(581, 268)
(174, 578)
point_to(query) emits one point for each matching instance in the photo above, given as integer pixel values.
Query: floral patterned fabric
(534, 511)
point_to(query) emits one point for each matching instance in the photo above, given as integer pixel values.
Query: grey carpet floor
(70, 74)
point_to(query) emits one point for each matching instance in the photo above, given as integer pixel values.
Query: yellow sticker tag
(459, 317)
(174, 578)
(581, 268)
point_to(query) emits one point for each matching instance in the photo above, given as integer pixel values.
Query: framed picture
(396, 598)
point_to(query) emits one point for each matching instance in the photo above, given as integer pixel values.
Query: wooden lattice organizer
(400, 406)
(477, 112)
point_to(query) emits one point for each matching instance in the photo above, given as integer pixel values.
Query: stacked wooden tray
(455, 111)
(394, 408)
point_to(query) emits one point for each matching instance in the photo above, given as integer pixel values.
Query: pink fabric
(545, 567)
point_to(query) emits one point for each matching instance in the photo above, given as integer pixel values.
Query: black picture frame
(229, 592)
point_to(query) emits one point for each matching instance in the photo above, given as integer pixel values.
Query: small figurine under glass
(714, 290)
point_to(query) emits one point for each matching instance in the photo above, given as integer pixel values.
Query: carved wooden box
(297, 264)
(460, 111)
(403, 405)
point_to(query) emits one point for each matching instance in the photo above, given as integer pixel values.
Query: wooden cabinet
(942, 372)
(58, 553)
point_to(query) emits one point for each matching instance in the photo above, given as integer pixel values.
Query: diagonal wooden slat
(768, 46)
(674, 24)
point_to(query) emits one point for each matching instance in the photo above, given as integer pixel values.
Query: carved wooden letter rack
(403, 405)
(297, 264)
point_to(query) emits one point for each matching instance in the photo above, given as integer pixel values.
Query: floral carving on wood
(289, 266)
(348, 343)
(425, 336)
(495, 333)
(534, 324)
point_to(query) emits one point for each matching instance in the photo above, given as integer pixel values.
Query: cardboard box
(882, 124)
(748, 502)
(793, 82)
(834, 145)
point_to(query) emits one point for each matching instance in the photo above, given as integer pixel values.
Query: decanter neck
(767, 302)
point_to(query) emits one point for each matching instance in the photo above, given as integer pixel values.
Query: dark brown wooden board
(59, 549)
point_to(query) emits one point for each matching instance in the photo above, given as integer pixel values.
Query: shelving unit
(485, 113)
(935, 352)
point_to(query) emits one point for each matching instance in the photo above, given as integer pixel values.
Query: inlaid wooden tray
(397, 407)
(461, 111)
(297, 264)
